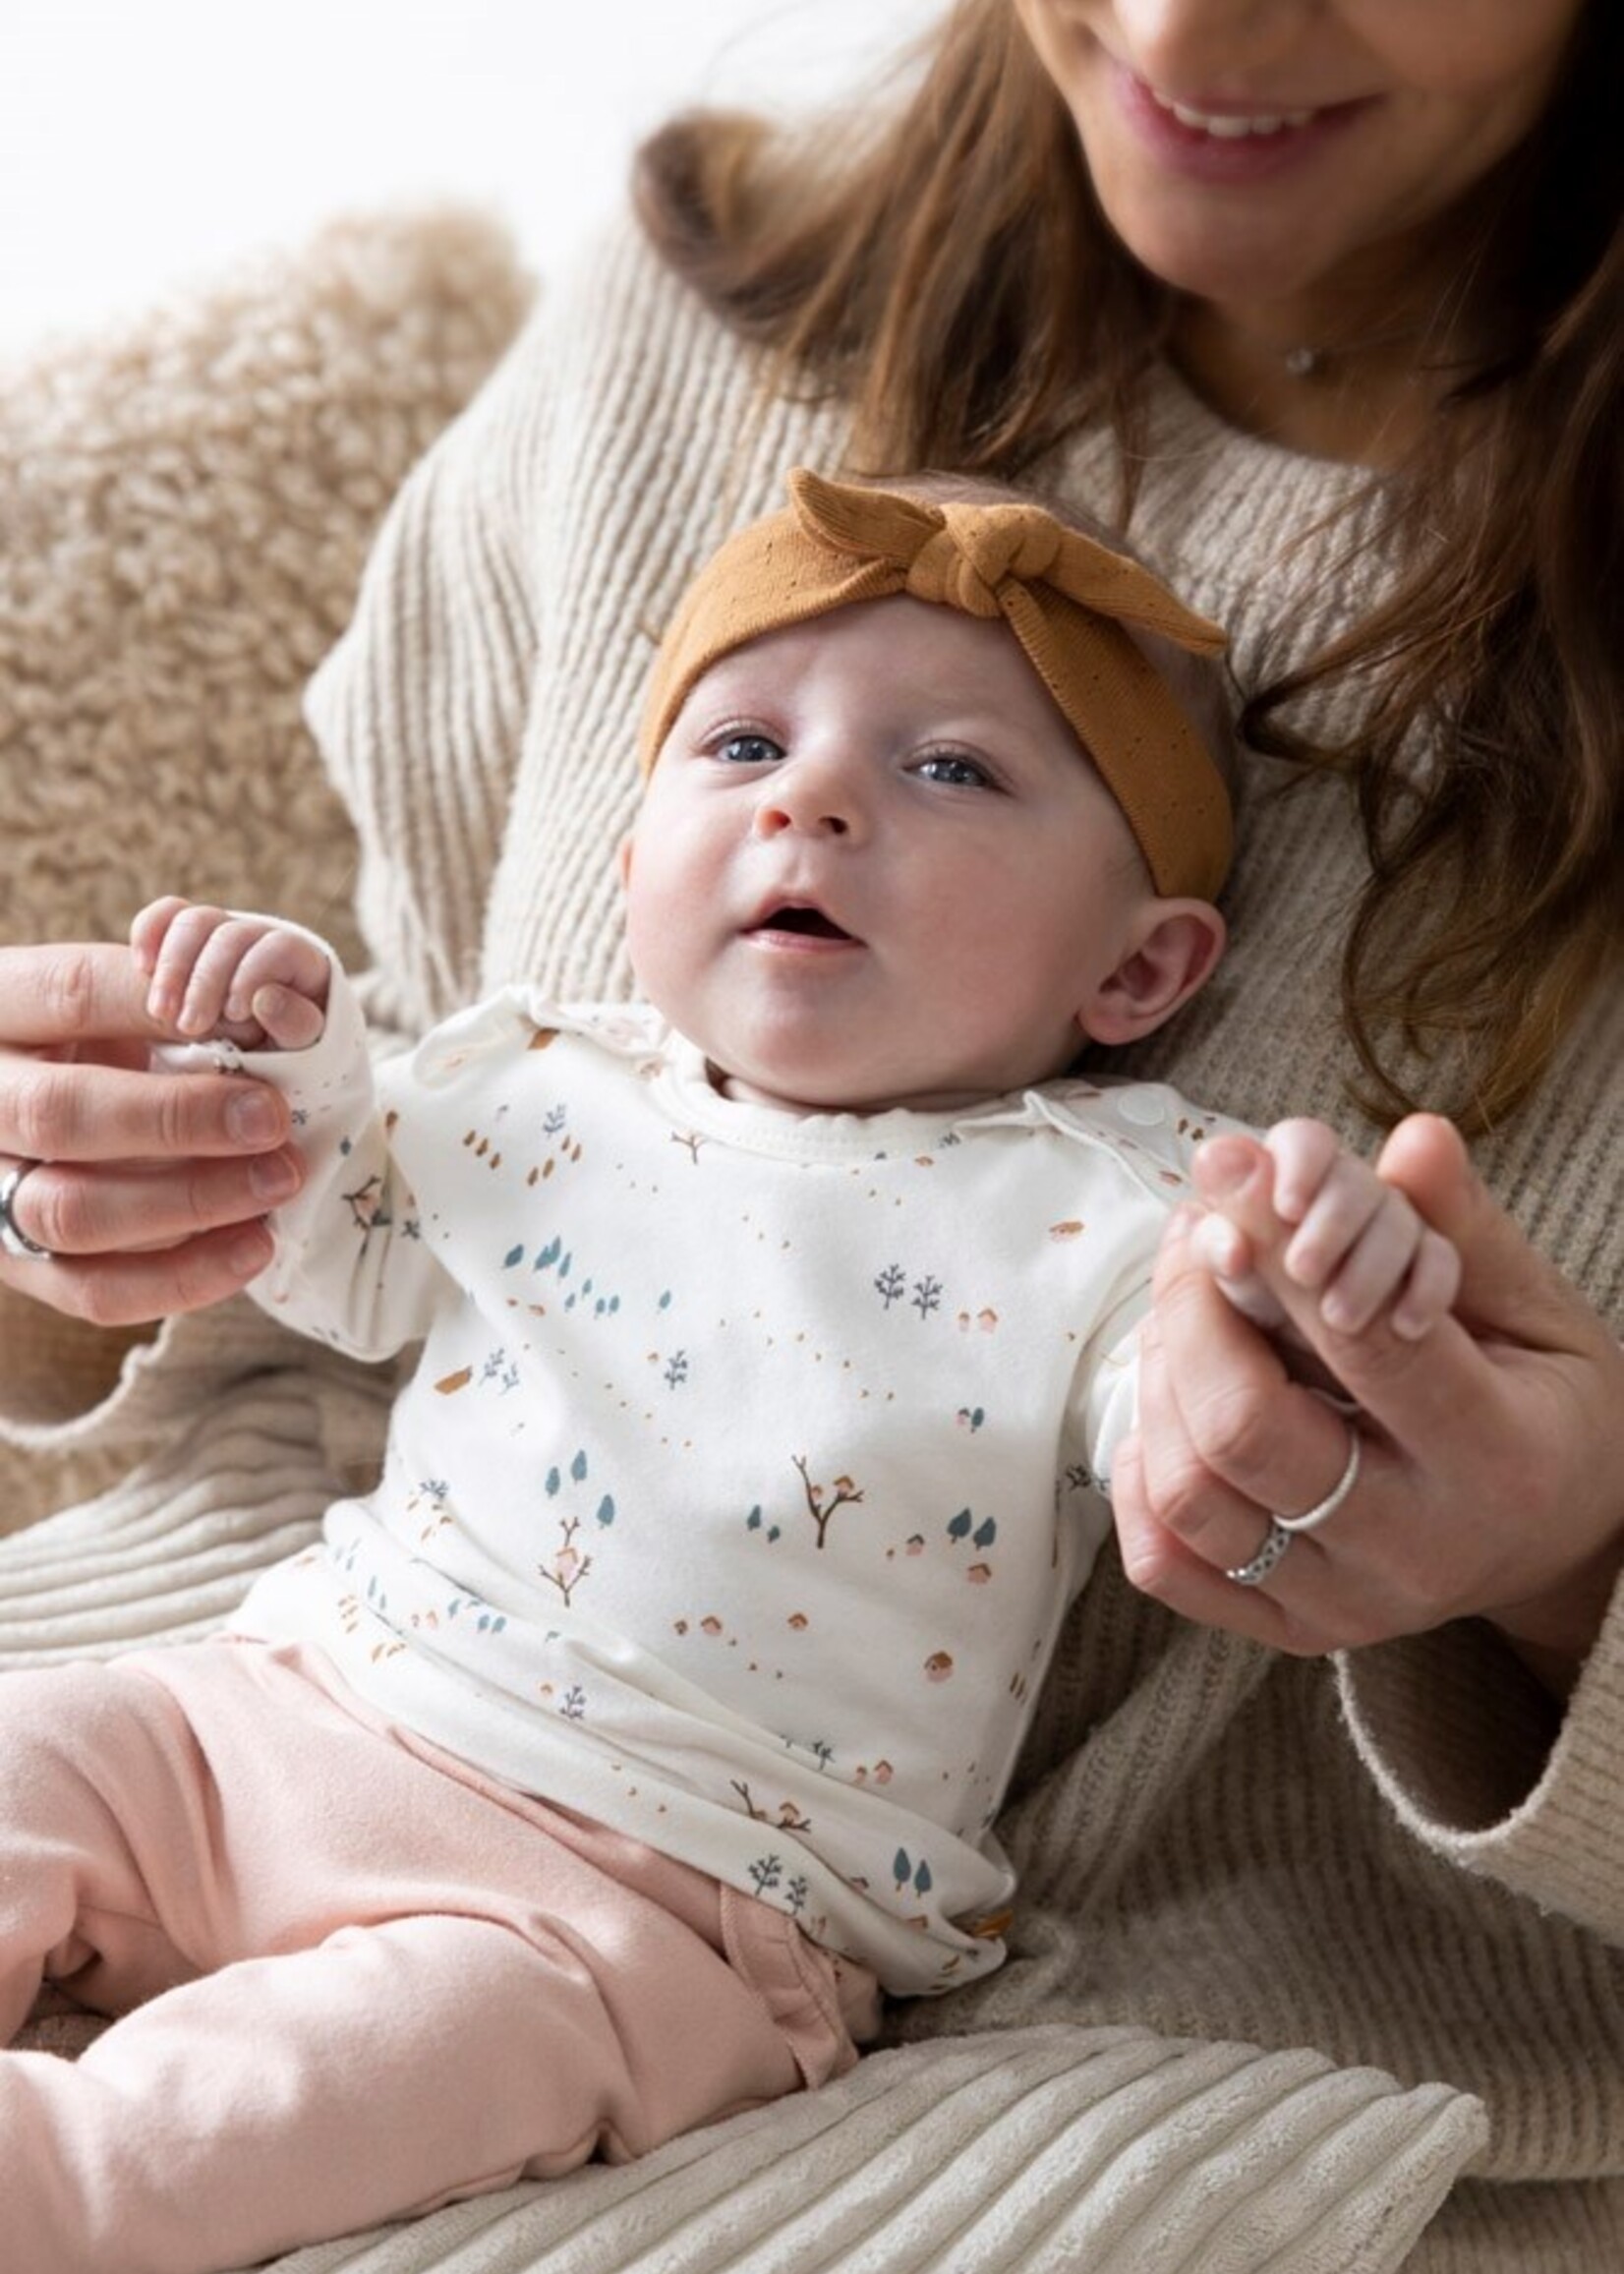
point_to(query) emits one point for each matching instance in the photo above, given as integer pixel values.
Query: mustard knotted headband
(1065, 598)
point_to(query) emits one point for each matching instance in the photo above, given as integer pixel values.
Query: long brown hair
(916, 280)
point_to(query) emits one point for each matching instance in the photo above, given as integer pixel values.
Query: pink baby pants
(355, 1978)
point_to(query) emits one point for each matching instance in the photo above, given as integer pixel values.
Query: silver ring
(1338, 1493)
(14, 1241)
(1276, 1540)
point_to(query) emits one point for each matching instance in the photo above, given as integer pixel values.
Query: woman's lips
(1222, 142)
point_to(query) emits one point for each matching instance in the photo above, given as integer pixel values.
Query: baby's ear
(1175, 948)
(623, 860)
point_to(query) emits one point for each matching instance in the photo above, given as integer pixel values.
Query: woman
(1324, 299)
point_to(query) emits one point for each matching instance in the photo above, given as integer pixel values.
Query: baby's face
(873, 867)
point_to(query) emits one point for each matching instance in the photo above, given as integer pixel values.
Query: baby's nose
(821, 795)
(778, 814)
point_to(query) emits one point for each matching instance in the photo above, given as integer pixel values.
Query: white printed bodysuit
(752, 1460)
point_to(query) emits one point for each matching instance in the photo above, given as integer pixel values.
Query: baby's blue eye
(957, 772)
(749, 750)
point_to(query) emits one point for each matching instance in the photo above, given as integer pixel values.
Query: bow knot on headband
(955, 555)
(1069, 601)
(965, 563)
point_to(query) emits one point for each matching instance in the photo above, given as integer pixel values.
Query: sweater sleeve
(1487, 1772)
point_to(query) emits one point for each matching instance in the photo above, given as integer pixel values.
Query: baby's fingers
(1226, 1251)
(146, 933)
(1429, 1294)
(1305, 1153)
(193, 950)
(286, 964)
(289, 1021)
(1343, 1218)
(1376, 1269)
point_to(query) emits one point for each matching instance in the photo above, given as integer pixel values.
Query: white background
(149, 143)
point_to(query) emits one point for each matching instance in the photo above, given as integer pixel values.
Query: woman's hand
(1491, 1474)
(151, 1188)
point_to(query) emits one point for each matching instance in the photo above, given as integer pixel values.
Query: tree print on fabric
(822, 1501)
(429, 1501)
(962, 1529)
(906, 1874)
(569, 1565)
(787, 1817)
(368, 1206)
(924, 1295)
(558, 1263)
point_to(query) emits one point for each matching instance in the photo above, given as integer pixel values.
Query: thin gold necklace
(1308, 360)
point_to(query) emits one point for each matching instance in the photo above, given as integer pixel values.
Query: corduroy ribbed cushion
(1135, 2155)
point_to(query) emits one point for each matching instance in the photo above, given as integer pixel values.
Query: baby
(598, 1769)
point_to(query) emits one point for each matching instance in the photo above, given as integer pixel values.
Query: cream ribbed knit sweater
(1391, 1863)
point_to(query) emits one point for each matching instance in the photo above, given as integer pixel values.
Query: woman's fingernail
(1223, 1181)
(254, 1119)
(1218, 1245)
(251, 1250)
(273, 1177)
(1228, 1167)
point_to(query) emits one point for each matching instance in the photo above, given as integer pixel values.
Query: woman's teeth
(1231, 125)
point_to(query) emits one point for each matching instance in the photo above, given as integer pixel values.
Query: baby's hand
(1358, 1243)
(242, 978)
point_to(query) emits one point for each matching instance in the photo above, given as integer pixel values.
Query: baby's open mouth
(811, 923)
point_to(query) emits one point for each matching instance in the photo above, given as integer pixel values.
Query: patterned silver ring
(14, 1241)
(1338, 1493)
(1276, 1540)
